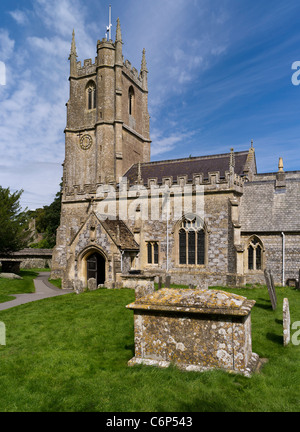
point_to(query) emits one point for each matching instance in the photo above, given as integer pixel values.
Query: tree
(47, 221)
(13, 222)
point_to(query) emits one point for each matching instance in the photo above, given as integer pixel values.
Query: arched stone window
(91, 95)
(131, 101)
(192, 241)
(255, 254)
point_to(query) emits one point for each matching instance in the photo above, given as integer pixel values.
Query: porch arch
(92, 262)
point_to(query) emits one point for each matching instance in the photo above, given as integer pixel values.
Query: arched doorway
(96, 267)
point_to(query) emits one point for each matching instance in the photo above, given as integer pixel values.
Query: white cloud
(19, 16)
(165, 143)
(6, 45)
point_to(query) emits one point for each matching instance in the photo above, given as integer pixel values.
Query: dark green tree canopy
(47, 221)
(13, 222)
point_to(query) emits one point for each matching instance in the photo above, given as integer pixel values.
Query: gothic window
(152, 252)
(91, 95)
(191, 242)
(255, 254)
(131, 100)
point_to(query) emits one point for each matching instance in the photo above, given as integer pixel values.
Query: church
(202, 220)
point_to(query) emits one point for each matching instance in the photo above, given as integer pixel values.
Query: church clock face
(86, 142)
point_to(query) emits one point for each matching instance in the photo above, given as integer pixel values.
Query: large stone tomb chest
(195, 329)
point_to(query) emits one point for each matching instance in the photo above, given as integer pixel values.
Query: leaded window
(191, 242)
(255, 254)
(152, 252)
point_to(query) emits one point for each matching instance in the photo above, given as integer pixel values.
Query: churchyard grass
(55, 282)
(70, 353)
(17, 286)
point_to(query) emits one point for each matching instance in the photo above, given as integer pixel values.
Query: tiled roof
(188, 166)
(120, 234)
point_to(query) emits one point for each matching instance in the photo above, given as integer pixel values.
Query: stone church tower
(107, 131)
(107, 117)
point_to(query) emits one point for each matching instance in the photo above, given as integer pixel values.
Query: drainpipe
(283, 258)
(167, 243)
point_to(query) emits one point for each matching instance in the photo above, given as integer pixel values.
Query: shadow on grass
(275, 338)
(265, 306)
(29, 273)
(131, 348)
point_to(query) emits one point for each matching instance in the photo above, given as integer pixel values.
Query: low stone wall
(30, 258)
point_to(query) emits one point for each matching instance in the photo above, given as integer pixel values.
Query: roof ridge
(215, 156)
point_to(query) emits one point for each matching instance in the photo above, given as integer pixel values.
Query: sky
(221, 73)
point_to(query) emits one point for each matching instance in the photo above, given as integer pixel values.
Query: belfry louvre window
(152, 252)
(91, 95)
(191, 243)
(131, 100)
(255, 254)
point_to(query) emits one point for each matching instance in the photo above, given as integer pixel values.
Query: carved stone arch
(177, 225)
(84, 261)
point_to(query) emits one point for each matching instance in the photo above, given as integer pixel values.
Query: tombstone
(159, 282)
(166, 322)
(168, 281)
(286, 322)
(2, 333)
(141, 291)
(271, 288)
(78, 286)
(92, 284)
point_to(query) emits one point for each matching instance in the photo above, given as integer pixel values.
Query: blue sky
(219, 75)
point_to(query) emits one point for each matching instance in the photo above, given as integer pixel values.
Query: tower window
(91, 95)
(131, 100)
(191, 243)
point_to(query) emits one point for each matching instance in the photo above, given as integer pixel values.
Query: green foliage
(47, 220)
(13, 222)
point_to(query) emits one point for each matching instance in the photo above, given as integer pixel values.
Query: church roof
(188, 166)
(120, 234)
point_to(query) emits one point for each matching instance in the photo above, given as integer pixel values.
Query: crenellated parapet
(213, 184)
(132, 73)
(88, 68)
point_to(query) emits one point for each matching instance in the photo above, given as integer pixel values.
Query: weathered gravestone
(159, 282)
(78, 286)
(167, 281)
(271, 288)
(286, 322)
(92, 284)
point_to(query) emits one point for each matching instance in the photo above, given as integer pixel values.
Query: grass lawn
(17, 286)
(70, 353)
